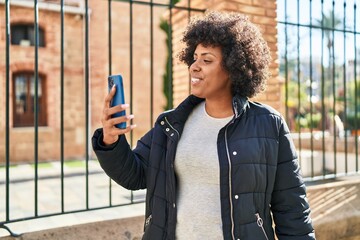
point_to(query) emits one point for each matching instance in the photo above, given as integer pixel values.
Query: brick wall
(22, 59)
(260, 12)
(141, 63)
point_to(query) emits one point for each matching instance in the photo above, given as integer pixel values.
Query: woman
(218, 166)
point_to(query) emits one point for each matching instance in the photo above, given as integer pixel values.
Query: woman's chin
(197, 94)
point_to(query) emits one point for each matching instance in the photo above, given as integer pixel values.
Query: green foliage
(165, 26)
(313, 121)
(308, 120)
(354, 96)
(295, 93)
(352, 121)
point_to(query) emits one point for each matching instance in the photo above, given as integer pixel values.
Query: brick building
(134, 59)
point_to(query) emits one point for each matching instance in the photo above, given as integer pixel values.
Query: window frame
(28, 119)
(28, 30)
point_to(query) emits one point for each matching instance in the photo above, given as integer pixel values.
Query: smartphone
(119, 97)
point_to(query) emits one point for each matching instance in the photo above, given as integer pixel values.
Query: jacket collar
(240, 104)
(179, 115)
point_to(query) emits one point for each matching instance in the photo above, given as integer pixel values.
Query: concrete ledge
(126, 222)
(336, 209)
(122, 229)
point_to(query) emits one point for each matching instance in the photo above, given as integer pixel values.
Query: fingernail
(133, 126)
(114, 86)
(124, 105)
(130, 116)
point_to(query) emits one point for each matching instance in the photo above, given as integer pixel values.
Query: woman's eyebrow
(205, 53)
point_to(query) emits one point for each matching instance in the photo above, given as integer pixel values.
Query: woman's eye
(207, 61)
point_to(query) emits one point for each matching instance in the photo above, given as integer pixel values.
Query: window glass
(20, 93)
(24, 104)
(24, 35)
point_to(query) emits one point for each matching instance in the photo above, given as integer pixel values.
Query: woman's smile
(195, 81)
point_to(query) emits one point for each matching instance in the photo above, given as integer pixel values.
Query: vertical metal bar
(311, 95)
(151, 63)
(110, 73)
(189, 10)
(87, 99)
(345, 88)
(356, 95)
(7, 111)
(171, 101)
(36, 102)
(131, 62)
(286, 66)
(189, 17)
(110, 37)
(323, 112)
(334, 83)
(62, 105)
(298, 76)
(131, 76)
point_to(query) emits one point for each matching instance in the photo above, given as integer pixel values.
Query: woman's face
(208, 78)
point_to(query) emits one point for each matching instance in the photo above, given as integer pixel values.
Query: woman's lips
(195, 80)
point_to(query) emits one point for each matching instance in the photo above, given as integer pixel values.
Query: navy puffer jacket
(259, 174)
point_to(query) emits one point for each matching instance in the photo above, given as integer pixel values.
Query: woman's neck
(219, 108)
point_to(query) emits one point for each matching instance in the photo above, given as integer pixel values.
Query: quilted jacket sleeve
(125, 166)
(289, 204)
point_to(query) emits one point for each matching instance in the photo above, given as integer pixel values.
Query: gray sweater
(197, 168)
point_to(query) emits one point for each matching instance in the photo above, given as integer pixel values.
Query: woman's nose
(194, 67)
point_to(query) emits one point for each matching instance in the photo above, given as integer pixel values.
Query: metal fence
(319, 43)
(88, 171)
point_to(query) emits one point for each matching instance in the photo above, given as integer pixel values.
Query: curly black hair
(246, 56)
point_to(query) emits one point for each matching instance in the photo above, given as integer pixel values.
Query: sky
(310, 11)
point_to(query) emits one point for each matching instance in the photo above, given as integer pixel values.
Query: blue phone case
(119, 97)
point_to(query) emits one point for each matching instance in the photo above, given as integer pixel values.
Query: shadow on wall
(336, 210)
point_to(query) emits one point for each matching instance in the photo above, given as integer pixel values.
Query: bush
(352, 123)
(316, 119)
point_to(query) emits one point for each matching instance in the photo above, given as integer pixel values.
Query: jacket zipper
(230, 185)
(229, 161)
(172, 164)
(260, 223)
(147, 221)
(230, 182)
(172, 127)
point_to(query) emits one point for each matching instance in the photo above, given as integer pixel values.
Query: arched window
(24, 35)
(23, 100)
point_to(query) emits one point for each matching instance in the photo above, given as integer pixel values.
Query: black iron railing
(322, 87)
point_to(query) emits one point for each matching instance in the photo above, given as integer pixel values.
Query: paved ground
(22, 197)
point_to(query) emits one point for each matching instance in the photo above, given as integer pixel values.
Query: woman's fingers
(118, 108)
(111, 122)
(110, 131)
(109, 97)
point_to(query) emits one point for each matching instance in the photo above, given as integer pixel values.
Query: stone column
(260, 12)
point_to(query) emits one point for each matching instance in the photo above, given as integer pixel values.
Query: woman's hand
(110, 131)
